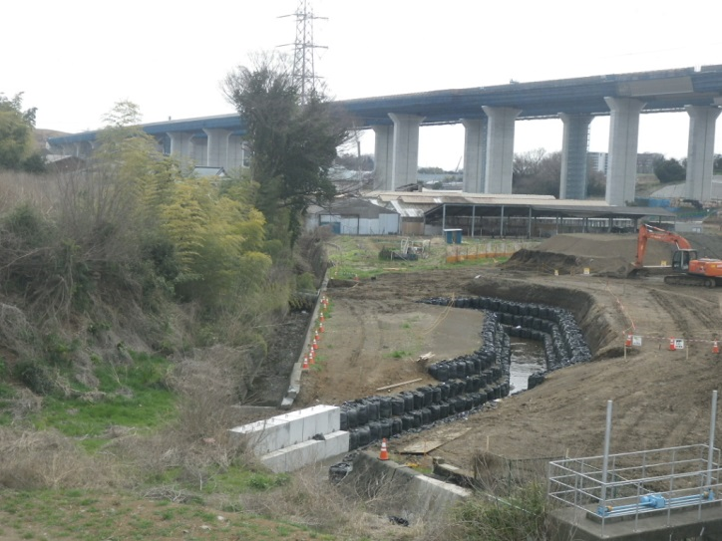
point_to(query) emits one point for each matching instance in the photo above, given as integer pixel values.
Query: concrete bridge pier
(574, 156)
(623, 139)
(217, 148)
(236, 152)
(383, 156)
(700, 151)
(500, 149)
(475, 135)
(180, 144)
(405, 149)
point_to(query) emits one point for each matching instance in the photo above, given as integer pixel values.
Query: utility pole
(303, 73)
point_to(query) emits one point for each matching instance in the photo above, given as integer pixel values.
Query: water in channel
(527, 357)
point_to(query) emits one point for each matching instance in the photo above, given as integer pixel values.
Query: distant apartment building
(599, 161)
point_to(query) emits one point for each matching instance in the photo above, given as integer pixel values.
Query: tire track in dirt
(693, 316)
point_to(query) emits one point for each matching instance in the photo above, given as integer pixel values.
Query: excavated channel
(469, 382)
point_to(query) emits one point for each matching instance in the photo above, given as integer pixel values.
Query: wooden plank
(398, 384)
(423, 447)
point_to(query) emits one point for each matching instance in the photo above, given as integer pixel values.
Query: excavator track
(689, 280)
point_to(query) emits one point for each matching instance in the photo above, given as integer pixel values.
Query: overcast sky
(74, 59)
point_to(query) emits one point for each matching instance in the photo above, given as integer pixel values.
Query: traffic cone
(305, 363)
(671, 345)
(311, 357)
(321, 318)
(355, 278)
(316, 336)
(384, 455)
(628, 342)
(320, 327)
(315, 344)
(715, 347)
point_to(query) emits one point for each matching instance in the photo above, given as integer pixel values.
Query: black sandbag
(442, 372)
(444, 410)
(362, 414)
(428, 396)
(418, 400)
(364, 436)
(396, 426)
(386, 425)
(352, 439)
(384, 407)
(397, 405)
(373, 409)
(343, 419)
(352, 417)
(408, 402)
(374, 431)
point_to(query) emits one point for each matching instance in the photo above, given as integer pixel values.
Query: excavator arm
(647, 232)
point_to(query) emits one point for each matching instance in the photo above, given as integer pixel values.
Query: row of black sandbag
(418, 419)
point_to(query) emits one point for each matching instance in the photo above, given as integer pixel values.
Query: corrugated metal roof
(405, 210)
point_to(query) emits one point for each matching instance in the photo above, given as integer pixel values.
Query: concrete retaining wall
(293, 440)
(307, 452)
(402, 491)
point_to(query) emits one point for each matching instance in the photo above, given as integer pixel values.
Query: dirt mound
(603, 255)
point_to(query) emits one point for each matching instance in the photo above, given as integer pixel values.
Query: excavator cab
(681, 259)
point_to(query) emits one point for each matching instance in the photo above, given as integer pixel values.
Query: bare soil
(377, 330)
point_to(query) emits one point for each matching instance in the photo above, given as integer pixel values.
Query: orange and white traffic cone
(316, 336)
(320, 327)
(355, 278)
(305, 363)
(320, 317)
(672, 347)
(628, 341)
(315, 344)
(384, 455)
(311, 357)
(715, 347)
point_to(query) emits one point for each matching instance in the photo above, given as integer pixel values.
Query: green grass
(359, 256)
(132, 395)
(62, 514)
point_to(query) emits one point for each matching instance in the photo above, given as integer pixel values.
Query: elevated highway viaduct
(489, 115)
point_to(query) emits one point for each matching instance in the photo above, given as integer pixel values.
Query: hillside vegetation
(136, 305)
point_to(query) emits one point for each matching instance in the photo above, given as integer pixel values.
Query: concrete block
(290, 428)
(307, 452)
(336, 443)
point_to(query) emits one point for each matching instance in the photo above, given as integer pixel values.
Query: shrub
(35, 376)
(521, 515)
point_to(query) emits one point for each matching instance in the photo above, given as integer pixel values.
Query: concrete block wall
(285, 442)
(307, 452)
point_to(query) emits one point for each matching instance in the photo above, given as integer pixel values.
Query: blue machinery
(655, 501)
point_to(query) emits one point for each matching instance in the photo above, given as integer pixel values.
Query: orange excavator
(689, 270)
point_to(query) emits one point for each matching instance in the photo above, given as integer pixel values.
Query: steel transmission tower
(304, 74)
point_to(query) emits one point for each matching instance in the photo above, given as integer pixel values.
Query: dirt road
(377, 331)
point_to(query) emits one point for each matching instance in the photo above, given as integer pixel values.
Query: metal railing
(632, 485)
